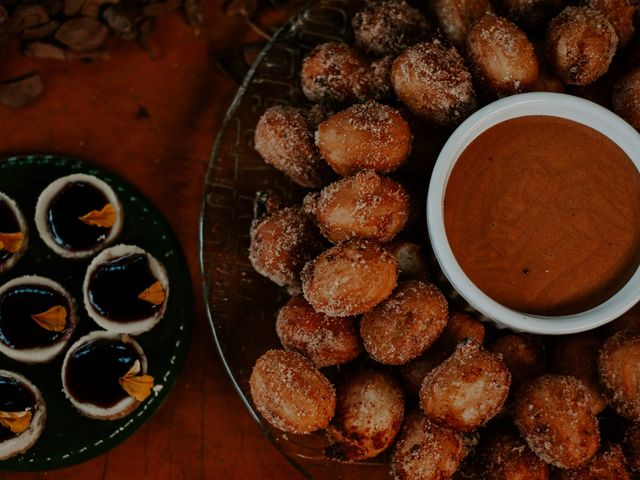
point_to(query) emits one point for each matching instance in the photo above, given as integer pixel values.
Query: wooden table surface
(154, 123)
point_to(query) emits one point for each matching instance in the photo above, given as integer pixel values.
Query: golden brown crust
(530, 14)
(406, 324)
(434, 83)
(523, 354)
(291, 393)
(621, 15)
(284, 139)
(369, 414)
(618, 369)
(501, 56)
(581, 43)
(626, 100)
(412, 260)
(631, 446)
(456, 16)
(365, 206)
(467, 389)
(577, 355)
(325, 340)
(334, 72)
(366, 136)
(426, 451)
(608, 464)
(282, 243)
(553, 415)
(350, 278)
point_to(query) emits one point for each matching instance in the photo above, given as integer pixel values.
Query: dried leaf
(40, 32)
(137, 386)
(26, 16)
(11, 242)
(21, 91)
(82, 34)
(105, 217)
(17, 422)
(244, 8)
(158, 8)
(194, 13)
(54, 319)
(91, 8)
(73, 7)
(155, 294)
(45, 50)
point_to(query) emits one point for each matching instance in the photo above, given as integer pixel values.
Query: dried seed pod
(426, 451)
(290, 393)
(350, 278)
(457, 16)
(365, 206)
(618, 369)
(553, 415)
(82, 34)
(467, 389)
(406, 324)
(325, 340)
(369, 414)
(41, 31)
(625, 103)
(433, 82)
(27, 16)
(523, 354)
(365, 136)
(581, 43)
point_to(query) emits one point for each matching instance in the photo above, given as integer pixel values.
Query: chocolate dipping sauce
(543, 215)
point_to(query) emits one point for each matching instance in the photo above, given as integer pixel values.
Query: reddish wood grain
(92, 111)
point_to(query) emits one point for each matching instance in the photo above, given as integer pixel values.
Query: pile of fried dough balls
(444, 394)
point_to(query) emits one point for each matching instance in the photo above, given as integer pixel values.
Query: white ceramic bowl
(552, 104)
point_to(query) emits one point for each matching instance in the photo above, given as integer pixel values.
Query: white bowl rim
(527, 104)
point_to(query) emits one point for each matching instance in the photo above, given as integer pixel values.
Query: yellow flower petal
(11, 242)
(154, 294)
(137, 386)
(106, 217)
(54, 319)
(17, 422)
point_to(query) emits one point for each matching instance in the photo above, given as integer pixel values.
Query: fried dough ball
(621, 14)
(501, 56)
(618, 367)
(284, 139)
(291, 393)
(553, 415)
(581, 43)
(530, 14)
(365, 205)
(457, 16)
(350, 278)
(626, 98)
(335, 73)
(608, 464)
(412, 260)
(467, 389)
(403, 326)
(577, 355)
(388, 27)
(380, 77)
(459, 327)
(426, 451)
(366, 136)
(323, 339)
(434, 83)
(282, 243)
(506, 456)
(369, 415)
(631, 446)
(523, 355)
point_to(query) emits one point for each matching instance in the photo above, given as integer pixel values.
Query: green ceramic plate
(68, 437)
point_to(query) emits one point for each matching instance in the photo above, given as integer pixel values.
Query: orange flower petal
(106, 217)
(17, 422)
(154, 294)
(11, 242)
(137, 386)
(54, 319)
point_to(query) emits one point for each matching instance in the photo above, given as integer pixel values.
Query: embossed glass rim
(537, 103)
